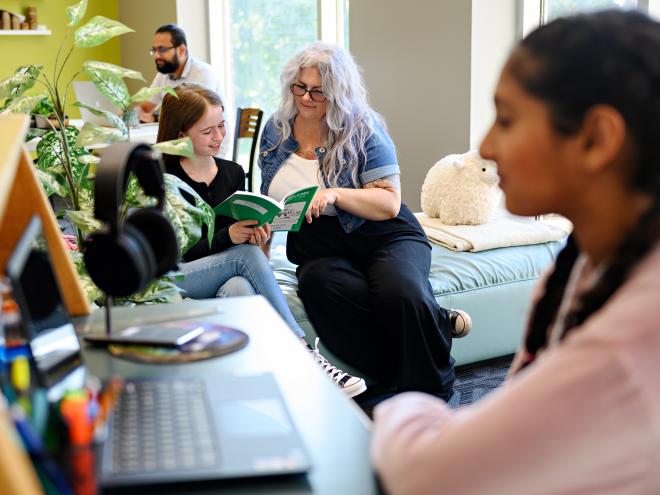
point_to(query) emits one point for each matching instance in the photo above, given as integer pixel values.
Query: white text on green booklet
(287, 214)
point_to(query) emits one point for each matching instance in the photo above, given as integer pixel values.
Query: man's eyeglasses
(161, 50)
(300, 90)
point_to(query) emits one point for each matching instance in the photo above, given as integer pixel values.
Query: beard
(169, 67)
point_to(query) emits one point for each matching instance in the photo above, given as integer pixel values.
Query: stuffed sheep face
(478, 168)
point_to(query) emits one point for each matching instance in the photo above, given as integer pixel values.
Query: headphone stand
(108, 319)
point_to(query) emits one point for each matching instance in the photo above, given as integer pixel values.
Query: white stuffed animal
(461, 189)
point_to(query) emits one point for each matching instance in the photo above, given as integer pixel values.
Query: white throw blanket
(501, 230)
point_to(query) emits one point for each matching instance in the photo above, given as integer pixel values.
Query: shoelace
(335, 373)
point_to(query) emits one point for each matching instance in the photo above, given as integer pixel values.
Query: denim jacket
(380, 162)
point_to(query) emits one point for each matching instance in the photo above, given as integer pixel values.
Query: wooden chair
(248, 124)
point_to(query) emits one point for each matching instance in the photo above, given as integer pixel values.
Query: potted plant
(64, 165)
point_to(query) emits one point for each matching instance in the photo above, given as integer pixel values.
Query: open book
(287, 214)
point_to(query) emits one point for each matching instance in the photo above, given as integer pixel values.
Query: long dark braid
(572, 64)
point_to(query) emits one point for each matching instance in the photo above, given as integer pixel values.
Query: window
(251, 40)
(559, 8)
(259, 36)
(537, 12)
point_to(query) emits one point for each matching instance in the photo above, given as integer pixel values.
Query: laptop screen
(47, 327)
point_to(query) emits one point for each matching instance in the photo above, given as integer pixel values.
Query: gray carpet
(473, 381)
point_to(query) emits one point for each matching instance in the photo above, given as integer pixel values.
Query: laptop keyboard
(163, 425)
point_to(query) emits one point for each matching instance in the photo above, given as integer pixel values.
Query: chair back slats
(248, 124)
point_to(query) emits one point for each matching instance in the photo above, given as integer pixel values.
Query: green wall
(22, 50)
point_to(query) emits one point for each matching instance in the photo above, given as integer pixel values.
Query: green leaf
(94, 65)
(53, 159)
(145, 93)
(179, 147)
(33, 133)
(23, 79)
(135, 196)
(94, 134)
(83, 220)
(89, 159)
(49, 183)
(76, 12)
(110, 85)
(23, 104)
(44, 108)
(97, 31)
(161, 290)
(92, 292)
(113, 118)
(187, 219)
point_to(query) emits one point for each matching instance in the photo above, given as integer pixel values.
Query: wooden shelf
(25, 32)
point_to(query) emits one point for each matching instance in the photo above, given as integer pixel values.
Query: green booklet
(287, 214)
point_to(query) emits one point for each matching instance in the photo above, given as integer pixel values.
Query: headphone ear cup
(121, 265)
(159, 233)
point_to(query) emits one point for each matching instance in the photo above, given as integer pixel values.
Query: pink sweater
(584, 418)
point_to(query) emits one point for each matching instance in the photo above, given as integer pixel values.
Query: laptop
(163, 429)
(46, 325)
(87, 93)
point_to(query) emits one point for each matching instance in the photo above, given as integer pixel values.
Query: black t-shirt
(229, 179)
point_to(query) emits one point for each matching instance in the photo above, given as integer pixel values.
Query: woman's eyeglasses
(161, 50)
(300, 90)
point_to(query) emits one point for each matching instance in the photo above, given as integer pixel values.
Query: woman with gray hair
(363, 259)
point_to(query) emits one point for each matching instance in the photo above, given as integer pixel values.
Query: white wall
(493, 37)
(416, 61)
(192, 16)
(145, 16)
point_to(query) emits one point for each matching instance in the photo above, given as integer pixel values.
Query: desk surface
(333, 428)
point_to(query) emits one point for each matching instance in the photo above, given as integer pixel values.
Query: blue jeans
(239, 270)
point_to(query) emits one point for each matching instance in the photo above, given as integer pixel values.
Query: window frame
(532, 13)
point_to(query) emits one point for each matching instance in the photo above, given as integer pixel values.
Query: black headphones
(123, 258)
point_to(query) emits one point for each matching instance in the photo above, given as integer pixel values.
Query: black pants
(372, 304)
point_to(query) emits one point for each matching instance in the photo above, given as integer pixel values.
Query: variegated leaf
(113, 118)
(89, 159)
(186, 218)
(33, 132)
(75, 13)
(83, 220)
(143, 94)
(93, 293)
(94, 134)
(111, 86)
(178, 147)
(23, 79)
(93, 65)
(86, 196)
(49, 183)
(135, 196)
(159, 291)
(97, 31)
(50, 151)
(23, 104)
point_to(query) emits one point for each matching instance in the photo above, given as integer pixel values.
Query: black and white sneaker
(460, 323)
(350, 385)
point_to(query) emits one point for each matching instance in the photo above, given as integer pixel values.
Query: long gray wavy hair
(349, 118)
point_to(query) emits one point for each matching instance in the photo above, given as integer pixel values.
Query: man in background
(175, 66)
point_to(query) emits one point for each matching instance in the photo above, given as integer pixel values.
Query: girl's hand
(260, 235)
(242, 232)
(321, 199)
